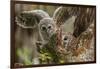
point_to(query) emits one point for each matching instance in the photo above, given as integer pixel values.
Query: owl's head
(67, 39)
(47, 27)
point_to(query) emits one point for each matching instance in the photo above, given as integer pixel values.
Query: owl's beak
(47, 33)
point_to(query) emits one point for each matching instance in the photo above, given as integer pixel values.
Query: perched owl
(36, 28)
(82, 48)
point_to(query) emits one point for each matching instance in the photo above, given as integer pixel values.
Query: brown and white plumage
(71, 45)
(82, 48)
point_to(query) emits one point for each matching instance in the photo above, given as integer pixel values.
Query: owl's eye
(65, 38)
(43, 28)
(49, 27)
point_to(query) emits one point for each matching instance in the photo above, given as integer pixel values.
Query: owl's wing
(83, 20)
(33, 18)
(60, 15)
(86, 39)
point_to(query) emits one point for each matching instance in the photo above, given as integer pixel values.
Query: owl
(79, 49)
(68, 41)
(36, 28)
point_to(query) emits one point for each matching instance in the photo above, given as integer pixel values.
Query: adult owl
(37, 28)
